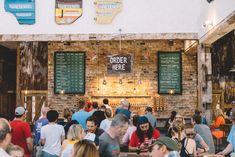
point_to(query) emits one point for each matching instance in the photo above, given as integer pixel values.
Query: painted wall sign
(67, 11)
(23, 10)
(106, 10)
(119, 64)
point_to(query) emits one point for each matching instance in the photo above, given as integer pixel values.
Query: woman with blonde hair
(75, 134)
(85, 148)
(15, 151)
(188, 145)
(219, 120)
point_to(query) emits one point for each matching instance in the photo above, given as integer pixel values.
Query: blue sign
(23, 10)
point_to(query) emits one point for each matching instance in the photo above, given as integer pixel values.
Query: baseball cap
(232, 114)
(20, 111)
(168, 142)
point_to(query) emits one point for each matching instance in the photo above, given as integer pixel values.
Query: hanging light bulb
(120, 81)
(104, 82)
(98, 91)
(134, 90)
(26, 91)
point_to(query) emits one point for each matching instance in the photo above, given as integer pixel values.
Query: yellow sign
(106, 10)
(67, 12)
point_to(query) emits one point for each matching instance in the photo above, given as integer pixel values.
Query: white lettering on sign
(20, 6)
(118, 67)
(118, 60)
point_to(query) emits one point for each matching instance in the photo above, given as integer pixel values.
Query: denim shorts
(45, 154)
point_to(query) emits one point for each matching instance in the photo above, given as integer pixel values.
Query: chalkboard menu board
(169, 73)
(69, 72)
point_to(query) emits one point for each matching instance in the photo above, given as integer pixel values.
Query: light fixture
(62, 91)
(98, 90)
(207, 23)
(104, 82)
(134, 90)
(120, 81)
(26, 92)
(171, 91)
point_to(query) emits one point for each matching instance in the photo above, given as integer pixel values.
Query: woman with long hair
(219, 120)
(188, 145)
(85, 148)
(75, 134)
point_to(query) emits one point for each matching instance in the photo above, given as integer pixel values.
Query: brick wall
(143, 76)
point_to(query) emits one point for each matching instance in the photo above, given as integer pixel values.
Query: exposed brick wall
(144, 70)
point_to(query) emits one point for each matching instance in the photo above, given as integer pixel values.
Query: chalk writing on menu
(119, 64)
(169, 73)
(69, 72)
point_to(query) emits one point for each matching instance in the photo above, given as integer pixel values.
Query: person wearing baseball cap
(164, 147)
(21, 135)
(231, 137)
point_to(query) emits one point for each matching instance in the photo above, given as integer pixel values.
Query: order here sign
(119, 63)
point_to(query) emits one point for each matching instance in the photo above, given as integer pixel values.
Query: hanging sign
(119, 64)
(106, 10)
(23, 10)
(67, 12)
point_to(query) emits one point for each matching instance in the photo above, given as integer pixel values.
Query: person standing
(149, 114)
(81, 116)
(5, 137)
(39, 123)
(52, 135)
(106, 103)
(109, 141)
(22, 132)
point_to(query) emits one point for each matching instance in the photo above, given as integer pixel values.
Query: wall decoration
(23, 10)
(68, 11)
(106, 10)
(119, 64)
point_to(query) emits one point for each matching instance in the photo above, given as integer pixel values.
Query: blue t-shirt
(81, 117)
(231, 137)
(127, 113)
(37, 129)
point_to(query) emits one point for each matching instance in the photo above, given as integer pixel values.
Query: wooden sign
(67, 11)
(119, 64)
(169, 73)
(106, 10)
(69, 72)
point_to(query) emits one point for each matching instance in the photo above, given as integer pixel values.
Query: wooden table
(129, 154)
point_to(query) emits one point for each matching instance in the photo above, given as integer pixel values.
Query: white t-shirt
(3, 153)
(52, 133)
(105, 124)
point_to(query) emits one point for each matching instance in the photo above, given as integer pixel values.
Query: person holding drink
(144, 136)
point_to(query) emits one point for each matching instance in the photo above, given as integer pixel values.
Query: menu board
(69, 72)
(169, 73)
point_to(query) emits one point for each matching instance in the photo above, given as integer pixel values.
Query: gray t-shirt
(205, 132)
(108, 147)
(198, 140)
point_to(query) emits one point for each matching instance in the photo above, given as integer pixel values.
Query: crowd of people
(97, 131)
